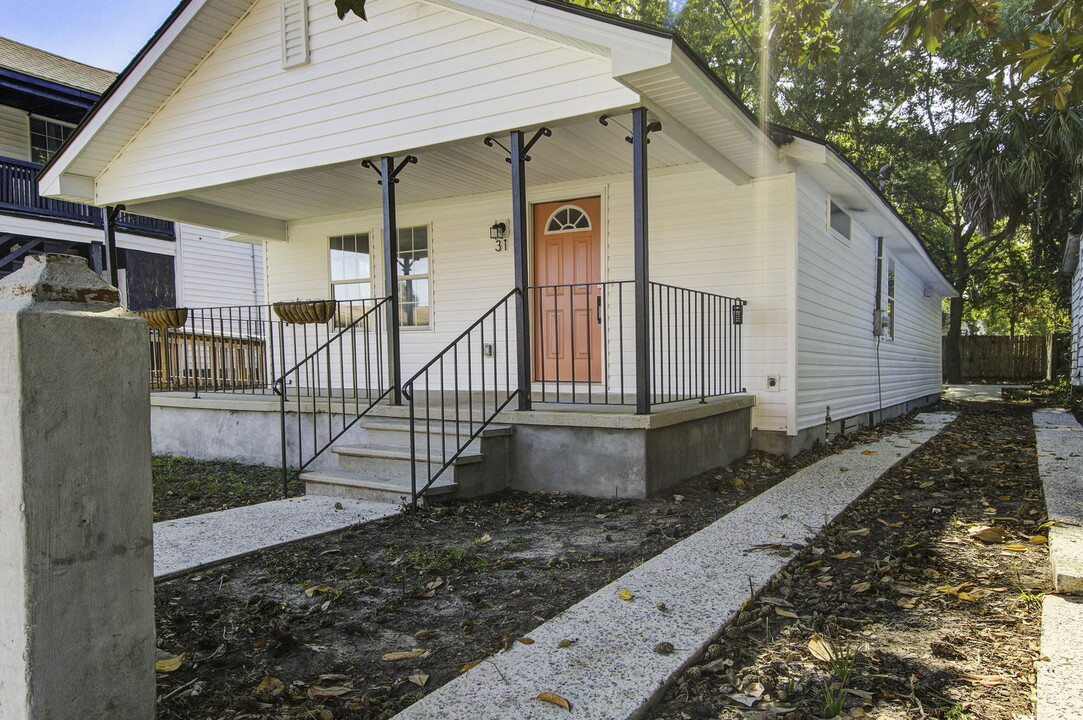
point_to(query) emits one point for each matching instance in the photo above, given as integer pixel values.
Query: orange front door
(567, 273)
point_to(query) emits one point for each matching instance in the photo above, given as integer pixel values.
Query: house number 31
(501, 244)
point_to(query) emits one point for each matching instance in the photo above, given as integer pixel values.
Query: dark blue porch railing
(19, 194)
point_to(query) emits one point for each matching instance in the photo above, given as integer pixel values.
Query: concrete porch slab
(1060, 463)
(611, 672)
(187, 544)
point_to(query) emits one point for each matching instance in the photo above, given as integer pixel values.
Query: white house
(594, 270)
(42, 98)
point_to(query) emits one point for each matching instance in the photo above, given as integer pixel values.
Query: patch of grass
(956, 713)
(184, 487)
(442, 561)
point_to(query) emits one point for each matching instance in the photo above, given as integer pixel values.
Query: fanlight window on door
(568, 218)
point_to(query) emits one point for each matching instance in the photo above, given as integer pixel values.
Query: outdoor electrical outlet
(773, 381)
(487, 349)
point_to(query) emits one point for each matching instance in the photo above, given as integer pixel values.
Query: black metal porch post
(110, 222)
(642, 261)
(391, 277)
(519, 231)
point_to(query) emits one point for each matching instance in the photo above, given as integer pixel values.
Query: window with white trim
(351, 267)
(415, 301)
(46, 137)
(839, 220)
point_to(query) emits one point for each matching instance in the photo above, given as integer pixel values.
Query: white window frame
(351, 281)
(891, 282)
(30, 118)
(431, 325)
(845, 237)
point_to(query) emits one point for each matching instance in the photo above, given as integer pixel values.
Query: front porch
(599, 450)
(592, 374)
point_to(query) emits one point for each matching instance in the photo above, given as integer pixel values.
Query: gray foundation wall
(779, 443)
(625, 462)
(246, 436)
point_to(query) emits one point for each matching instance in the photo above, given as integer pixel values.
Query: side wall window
(838, 220)
(415, 300)
(890, 304)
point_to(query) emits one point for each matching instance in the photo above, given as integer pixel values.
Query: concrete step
(394, 460)
(396, 431)
(371, 486)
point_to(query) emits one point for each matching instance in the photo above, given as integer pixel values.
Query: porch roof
(702, 119)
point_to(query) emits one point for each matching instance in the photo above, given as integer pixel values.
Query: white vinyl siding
(836, 296)
(213, 272)
(705, 235)
(414, 75)
(14, 133)
(1077, 320)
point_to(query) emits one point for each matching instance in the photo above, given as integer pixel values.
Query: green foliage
(1014, 296)
(344, 7)
(1042, 48)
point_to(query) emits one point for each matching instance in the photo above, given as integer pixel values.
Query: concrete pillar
(76, 562)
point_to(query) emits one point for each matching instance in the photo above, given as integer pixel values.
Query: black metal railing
(584, 351)
(580, 350)
(695, 344)
(19, 194)
(239, 349)
(217, 349)
(458, 393)
(334, 385)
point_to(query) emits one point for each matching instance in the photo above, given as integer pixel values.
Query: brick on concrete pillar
(76, 588)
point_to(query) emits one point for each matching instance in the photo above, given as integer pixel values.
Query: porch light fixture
(498, 231)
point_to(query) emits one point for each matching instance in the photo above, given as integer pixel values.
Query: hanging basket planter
(165, 319)
(302, 312)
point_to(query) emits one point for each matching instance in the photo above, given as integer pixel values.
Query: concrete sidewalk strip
(612, 672)
(186, 544)
(1060, 463)
(1060, 680)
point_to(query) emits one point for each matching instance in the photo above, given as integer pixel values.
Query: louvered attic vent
(294, 33)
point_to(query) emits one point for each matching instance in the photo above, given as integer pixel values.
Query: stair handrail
(510, 390)
(372, 315)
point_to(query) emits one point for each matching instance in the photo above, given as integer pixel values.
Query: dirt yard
(361, 624)
(897, 611)
(302, 631)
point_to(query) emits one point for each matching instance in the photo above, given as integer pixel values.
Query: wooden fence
(1000, 357)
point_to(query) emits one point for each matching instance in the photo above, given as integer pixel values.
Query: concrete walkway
(976, 393)
(186, 544)
(1060, 462)
(611, 672)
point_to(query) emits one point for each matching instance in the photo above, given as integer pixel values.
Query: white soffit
(198, 26)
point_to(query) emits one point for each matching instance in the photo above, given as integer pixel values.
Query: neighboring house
(42, 99)
(772, 294)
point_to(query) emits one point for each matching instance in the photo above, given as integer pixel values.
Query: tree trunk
(953, 360)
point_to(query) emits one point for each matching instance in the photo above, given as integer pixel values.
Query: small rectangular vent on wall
(294, 33)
